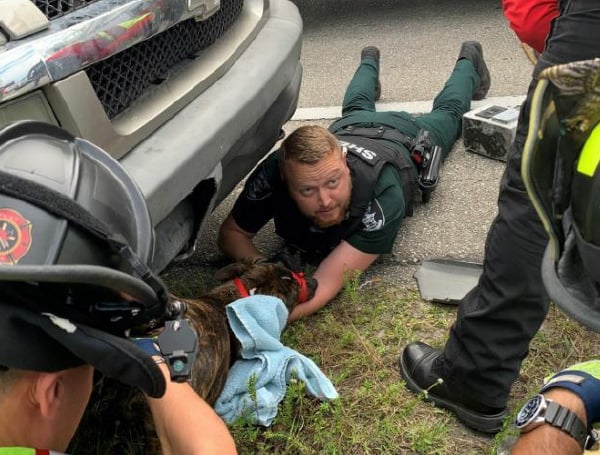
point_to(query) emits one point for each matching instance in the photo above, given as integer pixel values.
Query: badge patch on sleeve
(373, 218)
(258, 187)
(15, 236)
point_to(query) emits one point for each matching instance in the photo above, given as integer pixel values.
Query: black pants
(498, 318)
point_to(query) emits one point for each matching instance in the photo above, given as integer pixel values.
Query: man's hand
(330, 275)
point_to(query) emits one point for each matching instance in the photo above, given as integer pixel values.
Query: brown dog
(118, 416)
(217, 346)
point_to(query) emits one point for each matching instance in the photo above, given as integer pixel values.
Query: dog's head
(269, 279)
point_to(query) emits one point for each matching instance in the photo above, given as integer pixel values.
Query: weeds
(356, 340)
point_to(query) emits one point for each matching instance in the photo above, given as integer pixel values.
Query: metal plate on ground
(447, 280)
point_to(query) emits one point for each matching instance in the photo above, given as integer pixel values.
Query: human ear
(48, 391)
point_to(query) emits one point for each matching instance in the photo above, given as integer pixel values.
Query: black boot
(416, 367)
(373, 53)
(472, 51)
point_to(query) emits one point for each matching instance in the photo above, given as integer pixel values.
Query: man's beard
(324, 224)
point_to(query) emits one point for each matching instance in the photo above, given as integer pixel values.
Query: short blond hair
(8, 378)
(308, 144)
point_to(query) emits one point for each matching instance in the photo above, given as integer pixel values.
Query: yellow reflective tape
(592, 367)
(590, 154)
(16, 451)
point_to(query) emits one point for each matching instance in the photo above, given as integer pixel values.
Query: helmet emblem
(15, 236)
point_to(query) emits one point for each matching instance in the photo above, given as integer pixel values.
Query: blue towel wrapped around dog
(257, 322)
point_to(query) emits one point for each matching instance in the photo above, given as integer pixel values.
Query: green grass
(356, 340)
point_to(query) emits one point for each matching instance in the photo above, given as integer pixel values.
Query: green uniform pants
(443, 122)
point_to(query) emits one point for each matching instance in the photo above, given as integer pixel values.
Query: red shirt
(530, 19)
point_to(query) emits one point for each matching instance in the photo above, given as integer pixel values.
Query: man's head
(43, 409)
(314, 167)
(75, 237)
(561, 170)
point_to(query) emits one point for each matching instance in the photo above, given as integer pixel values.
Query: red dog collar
(241, 287)
(299, 277)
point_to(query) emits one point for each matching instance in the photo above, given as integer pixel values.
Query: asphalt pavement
(453, 224)
(419, 43)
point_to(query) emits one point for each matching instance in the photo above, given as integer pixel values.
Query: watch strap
(566, 420)
(582, 384)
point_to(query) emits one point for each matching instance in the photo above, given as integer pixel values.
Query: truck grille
(122, 78)
(54, 9)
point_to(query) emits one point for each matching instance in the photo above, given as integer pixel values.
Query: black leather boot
(472, 51)
(373, 53)
(416, 367)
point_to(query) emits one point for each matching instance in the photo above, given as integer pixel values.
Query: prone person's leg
(361, 92)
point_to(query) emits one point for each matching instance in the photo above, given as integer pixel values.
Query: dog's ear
(231, 271)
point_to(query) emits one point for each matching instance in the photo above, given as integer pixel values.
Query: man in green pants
(339, 195)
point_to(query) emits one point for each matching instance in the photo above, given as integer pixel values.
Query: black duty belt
(377, 132)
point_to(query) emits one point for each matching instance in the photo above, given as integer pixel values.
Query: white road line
(412, 107)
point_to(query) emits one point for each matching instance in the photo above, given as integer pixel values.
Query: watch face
(529, 411)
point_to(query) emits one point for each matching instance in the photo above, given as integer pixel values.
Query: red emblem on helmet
(15, 236)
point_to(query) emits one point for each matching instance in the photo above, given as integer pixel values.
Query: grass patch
(356, 340)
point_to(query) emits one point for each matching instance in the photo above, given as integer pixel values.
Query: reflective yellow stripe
(16, 451)
(590, 154)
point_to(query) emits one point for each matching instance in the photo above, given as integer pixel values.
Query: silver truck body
(187, 94)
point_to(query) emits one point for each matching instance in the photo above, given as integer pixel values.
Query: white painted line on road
(412, 107)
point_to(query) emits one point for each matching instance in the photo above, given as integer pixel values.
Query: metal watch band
(563, 418)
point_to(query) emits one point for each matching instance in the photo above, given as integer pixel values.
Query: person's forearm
(186, 424)
(320, 299)
(236, 243)
(330, 283)
(547, 439)
(238, 247)
(341, 265)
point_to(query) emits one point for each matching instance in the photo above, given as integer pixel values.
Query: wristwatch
(539, 410)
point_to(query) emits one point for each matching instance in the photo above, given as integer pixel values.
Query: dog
(118, 415)
(217, 346)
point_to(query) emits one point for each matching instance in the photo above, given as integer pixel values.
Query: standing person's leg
(498, 318)
(469, 76)
(364, 88)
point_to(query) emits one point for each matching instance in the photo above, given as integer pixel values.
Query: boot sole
(485, 423)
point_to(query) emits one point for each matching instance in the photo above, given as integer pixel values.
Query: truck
(188, 95)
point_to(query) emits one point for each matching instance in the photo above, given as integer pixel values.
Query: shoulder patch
(259, 185)
(373, 218)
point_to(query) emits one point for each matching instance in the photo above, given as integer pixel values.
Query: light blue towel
(257, 321)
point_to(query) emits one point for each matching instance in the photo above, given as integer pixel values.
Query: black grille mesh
(55, 8)
(122, 78)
